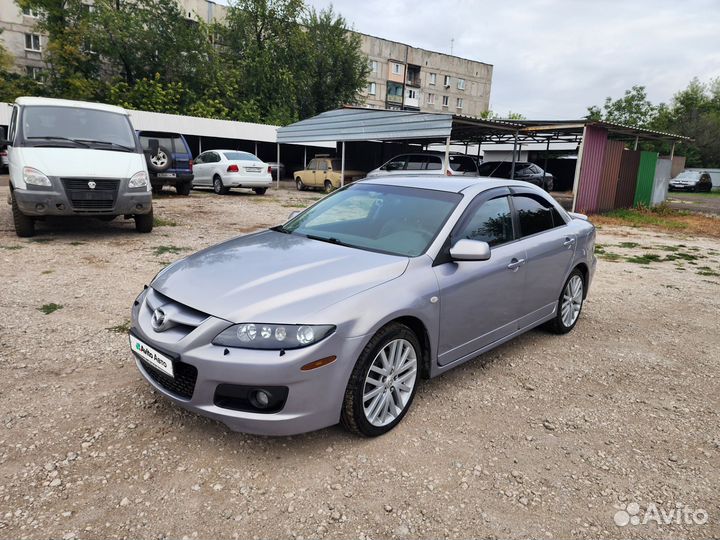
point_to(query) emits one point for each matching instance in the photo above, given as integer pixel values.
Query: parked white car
(427, 163)
(225, 169)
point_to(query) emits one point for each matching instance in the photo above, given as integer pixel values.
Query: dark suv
(524, 170)
(169, 160)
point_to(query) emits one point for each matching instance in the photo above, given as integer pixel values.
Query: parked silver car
(430, 163)
(336, 315)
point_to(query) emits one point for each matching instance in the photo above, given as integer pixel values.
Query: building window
(412, 94)
(373, 66)
(461, 84)
(447, 81)
(30, 13)
(433, 78)
(372, 89)
(34, 72)
(446, 101)
(396, 69)
(459, 103)
(431, 99)
(32, 42)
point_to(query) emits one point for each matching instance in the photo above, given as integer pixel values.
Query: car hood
(274, 277)
(82, 162)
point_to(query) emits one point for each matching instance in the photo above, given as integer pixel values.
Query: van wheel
(383, 383)
(260, 190)
(183, 188)
(144, 222)
(24, 225)
(218, 186)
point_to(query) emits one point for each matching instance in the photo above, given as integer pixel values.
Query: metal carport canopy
(357, 124)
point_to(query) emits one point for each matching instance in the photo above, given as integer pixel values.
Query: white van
(75, 158)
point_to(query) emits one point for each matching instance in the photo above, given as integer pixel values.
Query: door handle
(515, 264)
(568, 241)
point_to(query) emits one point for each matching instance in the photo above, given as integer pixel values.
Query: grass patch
(628, 245)
(47, 272)
(77, 243)
(161, 222)
(612, 257)
(162, 250)
(700, 194)
(682, 256)
(298, 205)
(123, 328)
(662, 218)
(707, 271)
(645, 258)
(672, 287)
(599, 248)
(47, 309)
(11, 248)
(669, 248)
(42, 240)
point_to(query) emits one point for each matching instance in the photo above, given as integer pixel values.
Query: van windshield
(46, 125)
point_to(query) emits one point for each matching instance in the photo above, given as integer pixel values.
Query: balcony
(394, 99)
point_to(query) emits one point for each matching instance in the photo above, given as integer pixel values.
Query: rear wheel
(383, 383)
(328, 186)
(299, 184)
(219, 187)
(260, 190)
(183, 188)
(144, 222)
(24, 225)
(569, 304)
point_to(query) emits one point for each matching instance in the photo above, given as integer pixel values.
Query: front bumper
(314, 397)
(682, 187)
(54, 201)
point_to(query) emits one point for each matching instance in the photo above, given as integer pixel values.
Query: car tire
(183, 188)
(299, 184)
(218, 186)
(24, 225)
(260, 190)
(572, 297)
(328, 187)
(363, 381)
(159, 162)
(549, 185)
(144, 222)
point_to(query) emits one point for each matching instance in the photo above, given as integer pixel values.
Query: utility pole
(452, 45)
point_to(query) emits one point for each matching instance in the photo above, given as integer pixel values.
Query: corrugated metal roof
(356, 124)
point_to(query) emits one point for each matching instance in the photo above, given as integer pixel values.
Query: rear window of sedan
(241, 156)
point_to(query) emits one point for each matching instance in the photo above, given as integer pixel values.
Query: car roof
(227, 150)
(52, 102)
(441, 182)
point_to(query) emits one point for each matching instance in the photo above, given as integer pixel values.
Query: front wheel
(383, 383)
(260, 190)
(24, 225)
(569, 304)
(299, 184)
(144, 222)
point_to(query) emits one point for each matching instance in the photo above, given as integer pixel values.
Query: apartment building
(401, 76)
(410, 78)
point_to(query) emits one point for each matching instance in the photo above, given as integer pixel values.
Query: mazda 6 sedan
(336, 315)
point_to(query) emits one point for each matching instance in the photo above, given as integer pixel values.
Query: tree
(5, 58)
(492, 115)
(633, 109)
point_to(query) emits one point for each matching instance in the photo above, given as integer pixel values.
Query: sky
(554, 58)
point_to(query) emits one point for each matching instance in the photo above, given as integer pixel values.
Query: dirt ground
(545, 436)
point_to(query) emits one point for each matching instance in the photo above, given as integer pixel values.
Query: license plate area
(92, 195)
(156, 359)
(166, 175)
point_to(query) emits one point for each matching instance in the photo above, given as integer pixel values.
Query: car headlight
(272, 336)
(138, 180)
(34, 177)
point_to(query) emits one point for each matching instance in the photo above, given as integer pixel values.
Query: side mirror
(470, 250)
(154, 146)
(293, 214)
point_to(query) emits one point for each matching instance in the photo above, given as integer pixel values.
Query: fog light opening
(260, 399)
(40, 207)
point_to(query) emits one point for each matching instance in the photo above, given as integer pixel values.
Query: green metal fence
(645, 178)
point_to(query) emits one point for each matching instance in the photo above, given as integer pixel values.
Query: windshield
(688, 175)
(389, 219)
(43, 125)
(241, 156)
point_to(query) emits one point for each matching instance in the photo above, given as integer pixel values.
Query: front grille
(82, 197)
(182, 385)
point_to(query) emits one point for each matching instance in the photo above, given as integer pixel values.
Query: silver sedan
(336, 315)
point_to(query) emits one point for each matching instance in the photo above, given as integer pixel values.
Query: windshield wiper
(55, 138)
(281, 229)
(330, 240)
(93, 141)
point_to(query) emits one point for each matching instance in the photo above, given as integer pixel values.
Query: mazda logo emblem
(92, 185)
(158, 319)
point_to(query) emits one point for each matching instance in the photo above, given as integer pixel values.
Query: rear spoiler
(575, 215)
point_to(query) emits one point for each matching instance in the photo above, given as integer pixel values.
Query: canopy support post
(514, 159)
(576, 181)
(277, 170)
(304, 158)
(447, 156)
(637, 137)
(672, 152)
(342, 166)
(547, 151)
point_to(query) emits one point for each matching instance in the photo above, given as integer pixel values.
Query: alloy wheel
(160, 159)
(572, 300)
(389, 382)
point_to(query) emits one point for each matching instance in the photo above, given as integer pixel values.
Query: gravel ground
(546, 436)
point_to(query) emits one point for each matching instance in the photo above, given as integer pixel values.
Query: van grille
(82, 197)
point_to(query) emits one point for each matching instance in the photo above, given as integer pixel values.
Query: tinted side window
(396, 164)
(491, 222)
(462, 164)
(199, 159)
(180, 147)
(312, 165)
(534, 216)
(434, 163)
(415, 162)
